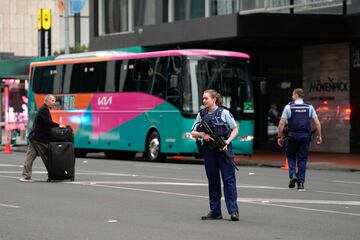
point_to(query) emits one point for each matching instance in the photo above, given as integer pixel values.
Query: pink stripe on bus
(110, 110)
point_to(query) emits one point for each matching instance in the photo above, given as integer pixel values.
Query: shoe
(26, 179)
(301, 186)
(211, 216)
(292, 182)
(234, 216)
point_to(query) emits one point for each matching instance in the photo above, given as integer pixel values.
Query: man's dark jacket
(42, 125)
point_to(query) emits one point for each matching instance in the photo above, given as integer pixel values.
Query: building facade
(293, 43)
(19, 27)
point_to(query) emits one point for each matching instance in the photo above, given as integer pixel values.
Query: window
(222, 7)
(160, 73)
(113, 16)
(43, 79)
(139, 77)
(174, 80)
(227, 76)
(188, 9)
(121, 69)
(144, 12)
(88, 77)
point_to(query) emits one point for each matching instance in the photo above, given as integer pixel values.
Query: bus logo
(104, 101)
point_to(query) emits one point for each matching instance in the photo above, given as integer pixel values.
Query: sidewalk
(321, 161)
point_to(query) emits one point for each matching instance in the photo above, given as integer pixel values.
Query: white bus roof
(91, 54)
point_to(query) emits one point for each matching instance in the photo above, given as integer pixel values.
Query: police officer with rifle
(219, 142)
(217, 128)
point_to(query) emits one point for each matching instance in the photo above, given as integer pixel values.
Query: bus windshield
(228, 76)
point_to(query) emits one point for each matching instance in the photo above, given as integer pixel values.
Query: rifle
(218, 142)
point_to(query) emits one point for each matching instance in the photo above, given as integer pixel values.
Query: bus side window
(43, 79)
(159, 85)
(67, 78)
(139, 76)
(129, 85)
(88, 77)
(110, 85)
(121, 71)
(58, 79)
(173, 81)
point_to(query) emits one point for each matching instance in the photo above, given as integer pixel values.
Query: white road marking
(169, 183)
(6, 176)
(258, 201)
(10, 165)
(19, 172)
(300, 201)
(150, 166)
(349, 182)
(336, 193)
(263, 202)
(8, 205)
(199, 182)
(261, 187)
(308, 209)
(140, 183)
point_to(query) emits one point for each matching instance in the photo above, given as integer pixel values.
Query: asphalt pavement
(319, 161)
(136, 199)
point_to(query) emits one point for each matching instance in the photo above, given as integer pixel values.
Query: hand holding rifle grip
(218, 141)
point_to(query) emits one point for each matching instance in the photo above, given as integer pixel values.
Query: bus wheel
(153, 148)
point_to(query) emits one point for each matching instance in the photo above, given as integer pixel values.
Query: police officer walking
(298, 116)
(223, 124)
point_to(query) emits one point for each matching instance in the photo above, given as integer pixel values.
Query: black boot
(292, 182)
(301, 186)
(211, 216)
(234, 216)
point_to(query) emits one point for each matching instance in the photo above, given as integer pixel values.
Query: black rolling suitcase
(58, 134)
(61, 161)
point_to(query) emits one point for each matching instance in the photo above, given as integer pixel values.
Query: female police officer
(222, 124)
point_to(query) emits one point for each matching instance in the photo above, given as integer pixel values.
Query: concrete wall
(18, 26)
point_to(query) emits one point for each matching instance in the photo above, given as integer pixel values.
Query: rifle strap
(203, 112)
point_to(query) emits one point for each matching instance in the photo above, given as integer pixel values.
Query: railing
(286, 6)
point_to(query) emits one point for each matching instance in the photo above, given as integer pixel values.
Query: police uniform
(299, 115)
(221, 122)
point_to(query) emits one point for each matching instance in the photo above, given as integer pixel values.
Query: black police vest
(217, 125)
(299, 121)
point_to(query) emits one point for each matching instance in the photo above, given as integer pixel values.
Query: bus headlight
(246, 138)
(187, 135)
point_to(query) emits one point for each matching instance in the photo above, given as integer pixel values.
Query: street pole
(66, 16)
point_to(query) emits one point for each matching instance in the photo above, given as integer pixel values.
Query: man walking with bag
(39, 137)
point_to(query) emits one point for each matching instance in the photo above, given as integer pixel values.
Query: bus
(124, 103)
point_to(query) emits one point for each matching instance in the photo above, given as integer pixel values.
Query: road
(117, 199)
